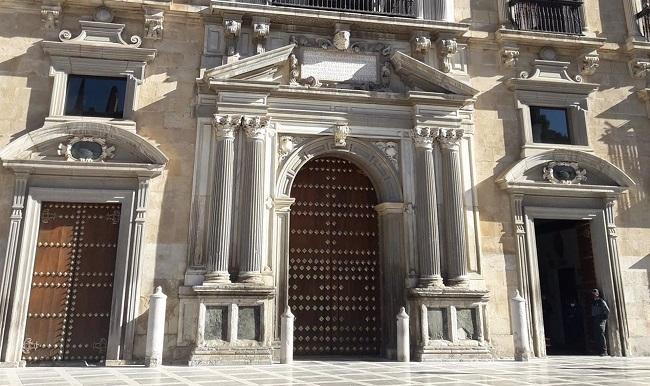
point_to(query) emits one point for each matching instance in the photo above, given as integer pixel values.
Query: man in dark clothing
(599, 314)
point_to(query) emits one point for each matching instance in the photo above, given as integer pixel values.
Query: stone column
(426, 209)
(13, 240)
(256, 129)
(449, 140)
(221, 216)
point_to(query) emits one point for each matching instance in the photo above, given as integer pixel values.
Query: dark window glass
(95, 96)
(550, 125)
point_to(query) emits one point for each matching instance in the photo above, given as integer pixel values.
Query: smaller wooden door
(72, 285)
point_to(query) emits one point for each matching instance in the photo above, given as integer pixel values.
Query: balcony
(420, 9)
(643, 20)
(555, 16)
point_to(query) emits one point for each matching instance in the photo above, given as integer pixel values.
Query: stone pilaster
(449, 140)
(256, 129)
(426, 212)
(13, 240)
(221, 215)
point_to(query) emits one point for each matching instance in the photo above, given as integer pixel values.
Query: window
(95, 96)
(550, 125)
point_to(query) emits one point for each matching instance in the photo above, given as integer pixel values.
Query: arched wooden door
(334, 260)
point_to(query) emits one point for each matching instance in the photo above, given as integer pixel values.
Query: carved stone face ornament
(341, 132)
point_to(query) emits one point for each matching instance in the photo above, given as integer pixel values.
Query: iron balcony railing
(560, 16)
(402, 8)
(643, 19)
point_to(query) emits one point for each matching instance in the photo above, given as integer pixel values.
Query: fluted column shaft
(426, 209)
(221, 216)
(251, 267)
(455, 212)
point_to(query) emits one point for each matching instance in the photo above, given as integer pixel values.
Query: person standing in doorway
(599, 314)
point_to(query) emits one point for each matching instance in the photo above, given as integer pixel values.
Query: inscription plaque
(332, 66)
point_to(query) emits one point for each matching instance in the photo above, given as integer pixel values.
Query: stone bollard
(156, 328)
(286, 337)
(520, 328)
(403, 346)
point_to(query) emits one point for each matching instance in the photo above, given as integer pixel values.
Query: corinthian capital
(225, 125)
(450, 138)
(255, 127)
(423, 136)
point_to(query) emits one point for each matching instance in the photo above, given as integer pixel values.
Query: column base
(216, 278)
(461, 281)
(431, 282)
(251, 278)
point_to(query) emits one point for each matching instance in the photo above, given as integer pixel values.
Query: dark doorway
(566, 275)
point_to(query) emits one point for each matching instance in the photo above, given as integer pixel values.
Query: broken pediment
(363, 66)
(574, 172)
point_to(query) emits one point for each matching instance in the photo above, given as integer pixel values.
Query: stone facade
(235, 94)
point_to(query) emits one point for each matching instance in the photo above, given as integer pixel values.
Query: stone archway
(334, 270)
(390, 212)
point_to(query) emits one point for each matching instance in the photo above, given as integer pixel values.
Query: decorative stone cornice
(153, 23)
(51, 14)
(261, 30)
(423, 137)
(341, 132)
(450, 138)
(446, 49)
(590, 64)
(255, 127)
(96, 31)
(226, 125)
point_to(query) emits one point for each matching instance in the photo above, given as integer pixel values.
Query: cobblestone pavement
(552, 371)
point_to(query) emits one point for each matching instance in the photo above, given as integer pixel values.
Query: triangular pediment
(427, 78)
(262, 67)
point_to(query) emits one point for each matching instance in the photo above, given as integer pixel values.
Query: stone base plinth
(231, 356)
(9, 365)
(445, 350)
(449, 323)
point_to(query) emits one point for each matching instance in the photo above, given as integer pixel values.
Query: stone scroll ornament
(86, 149)
(568, 173)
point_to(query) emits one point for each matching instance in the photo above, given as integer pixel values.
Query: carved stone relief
(287, 144)
(341, 132)
(153, 23)
(568, 173)
(447, 48)
(390, 150)
(86, 149)
(51, 15)
(261, 30)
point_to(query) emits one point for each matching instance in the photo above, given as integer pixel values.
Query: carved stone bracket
(261, 30)
(446, 49)
(232, 29)
(341, 132)
(420, 44)
(51, 15)
(390, 150)
(153, 23)
(568, 173)
(590, 64)
(341, 39)
(510, 56)
(639, 67)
